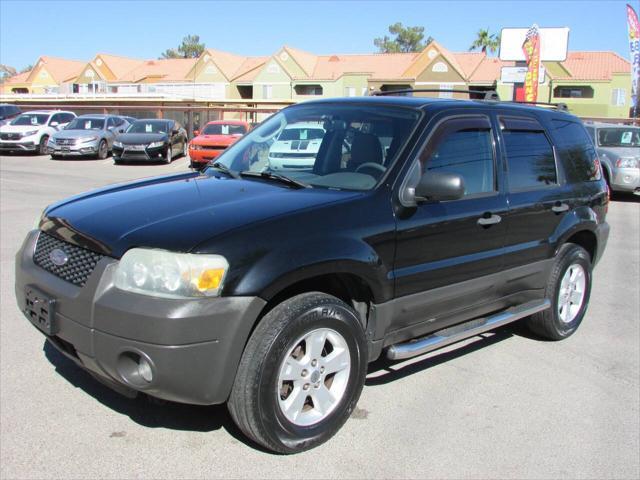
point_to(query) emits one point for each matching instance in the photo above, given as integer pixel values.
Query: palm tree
(485, 41)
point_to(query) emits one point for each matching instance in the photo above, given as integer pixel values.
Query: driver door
(448, 251)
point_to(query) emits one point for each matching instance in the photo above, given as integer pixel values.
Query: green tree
(28, 68)
(485, 41)
(189, 48)
(407, 39)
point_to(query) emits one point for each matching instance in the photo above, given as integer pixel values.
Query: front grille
(213, 147)
(80, 261)
(10, 136)
(65, 141)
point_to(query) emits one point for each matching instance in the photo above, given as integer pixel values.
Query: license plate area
(40, 310)
(66, 149)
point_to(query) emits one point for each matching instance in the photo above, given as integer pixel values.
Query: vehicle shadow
(146, 411)
(384, 371)
(625, 197)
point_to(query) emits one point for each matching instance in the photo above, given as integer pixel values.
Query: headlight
(155, 145)
(28, 134)
(87, 139)
(117, 144)
(171, 275)
(627, 162)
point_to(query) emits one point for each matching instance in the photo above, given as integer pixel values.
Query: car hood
(296, 146)
(215, 139)
(78, 133)
(174, 213)
(20, 128)
(617, 152)
(140, 138)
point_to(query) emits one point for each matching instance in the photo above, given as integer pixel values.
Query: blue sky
(143, 29)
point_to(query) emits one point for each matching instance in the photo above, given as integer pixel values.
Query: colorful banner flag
(634, 46)
(531, 49)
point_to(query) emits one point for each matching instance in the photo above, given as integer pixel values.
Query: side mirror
(196, 133)
(54, 124)
(439, 186)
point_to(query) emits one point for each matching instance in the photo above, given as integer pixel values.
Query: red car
(213, 139)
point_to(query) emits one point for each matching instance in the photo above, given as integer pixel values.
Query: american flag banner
(531, 49)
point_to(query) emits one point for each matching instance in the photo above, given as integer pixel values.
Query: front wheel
(169, 155)
(42, 147)
(569, 289)
(103, 150)
(301, 373)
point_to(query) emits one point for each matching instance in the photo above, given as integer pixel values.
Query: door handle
(560, 207)
(489, 219)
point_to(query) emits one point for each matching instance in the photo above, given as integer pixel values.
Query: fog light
(144, 370)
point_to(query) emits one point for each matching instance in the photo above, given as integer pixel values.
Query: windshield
(81, 123)
(30, 119)
(149, 126)
(325, 146)
(619, 137)
(224, 129)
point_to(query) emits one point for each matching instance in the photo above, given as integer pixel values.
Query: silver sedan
(87, 135)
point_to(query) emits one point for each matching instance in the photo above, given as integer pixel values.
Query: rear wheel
(301, 373)
(103, 150)
(185, 147)
(169, 155)
(42, 147)
(569, 289)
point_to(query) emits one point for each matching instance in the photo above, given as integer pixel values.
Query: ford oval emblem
(58, 257)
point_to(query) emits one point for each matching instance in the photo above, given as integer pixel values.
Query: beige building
(595, 84)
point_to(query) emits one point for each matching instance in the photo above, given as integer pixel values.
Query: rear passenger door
(447, 251)
(535, 194)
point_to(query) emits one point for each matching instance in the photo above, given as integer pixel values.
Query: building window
(440, 67)
(573, 92)
(618, 97)
(267, 91)
(444, 93)
(350, 91)
(308, 89)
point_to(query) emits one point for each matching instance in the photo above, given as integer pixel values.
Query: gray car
(87, 135)
(618, 148)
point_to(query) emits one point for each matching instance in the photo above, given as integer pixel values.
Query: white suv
(30, 131)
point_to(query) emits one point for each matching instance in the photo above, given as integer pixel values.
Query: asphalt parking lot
(504, 405)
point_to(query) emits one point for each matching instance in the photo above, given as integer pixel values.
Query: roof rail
(557, 106)
(487, 94)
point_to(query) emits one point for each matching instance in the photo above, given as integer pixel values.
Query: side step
(445, 337)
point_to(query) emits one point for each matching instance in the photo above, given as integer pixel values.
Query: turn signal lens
(210, 279)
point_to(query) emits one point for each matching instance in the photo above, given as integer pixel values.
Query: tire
(117, 161)
(168, 157)
(258, 397)
(55, 157)
(42, 146)
(185, 148)
(569, 298)
(103, 150)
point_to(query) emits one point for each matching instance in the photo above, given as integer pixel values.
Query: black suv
(414, 223)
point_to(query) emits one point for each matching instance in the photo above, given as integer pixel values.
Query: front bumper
(148, 154)
(626, 180)
(19, 145)
(76, 150)
(193, 346)
(204, 155)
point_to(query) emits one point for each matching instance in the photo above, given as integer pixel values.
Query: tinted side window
(56, 117)
(530, 159)
(463, 146)
(66, 117)
(576, 151)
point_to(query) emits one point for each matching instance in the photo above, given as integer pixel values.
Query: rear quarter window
(576, 151)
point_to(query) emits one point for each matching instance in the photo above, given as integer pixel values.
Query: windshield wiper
(275, 177)
(221, 167)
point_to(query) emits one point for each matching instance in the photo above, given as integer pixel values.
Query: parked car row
(62, 134)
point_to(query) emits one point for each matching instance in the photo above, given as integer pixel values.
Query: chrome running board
(450, 335)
